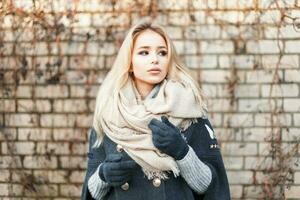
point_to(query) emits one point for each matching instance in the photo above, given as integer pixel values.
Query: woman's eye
(143, 53)
(163, 53)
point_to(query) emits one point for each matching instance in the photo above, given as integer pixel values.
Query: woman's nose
(154, 58)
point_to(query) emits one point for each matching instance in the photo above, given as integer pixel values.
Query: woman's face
(149, 58)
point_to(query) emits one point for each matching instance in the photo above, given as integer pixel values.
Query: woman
(151, 138)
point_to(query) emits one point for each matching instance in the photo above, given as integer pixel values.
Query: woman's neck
(143, 88)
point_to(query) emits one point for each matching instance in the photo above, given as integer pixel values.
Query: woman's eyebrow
(147, 47)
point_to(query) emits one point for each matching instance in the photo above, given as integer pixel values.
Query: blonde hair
(119, 73)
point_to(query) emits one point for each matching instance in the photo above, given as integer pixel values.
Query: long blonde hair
(119, 73)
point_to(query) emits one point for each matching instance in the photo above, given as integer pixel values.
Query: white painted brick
(48, 190)
(34, 134)
(84, 91)
(94, 6)
(51, 91)
(179, 18)
(102, 48)
(292, 134)
(292, 76)
(291, 105)
(238, 120)
(40, 162)
(81, 20)
(173, 5)
(264, 46)
(216, 47)
(257, 163)
(297, 177)
(74, 77)
(283, 32)
(68, 134)
(282, 90)
(174, 32)
(239, 149)
(208, 61)
(84, 120)
(70, 105)
(286, 62)
(236, 191)
(264, 148)
(107, 19)
(292, 192)
(190, 47)
(4, 177)
(10, 162)
(4, 189)
(262, 76)
(78, 148)
(7, 105)
(199, 4)
(219, 105)
(58, 176)
(216, 119)
(42, 62)
(239, 177)
(258, 105)
(74, 162)
(202, 32)
(225, 134)
(70, 190)
(264, 120)
(243, 4)
(247, 91)
(238, 61)
(209, 90)
(255, 134)
(292, 46)
(57, 148)
(270, 17)
(24, 91)
(266, 4)
(27, 120)
(34, 106)
(213, 4)
(18, 148)
(296, 118)
(192, 62)
(203, 62)
(223, 4)
(77, 176)
(233, 162)
(8, 134)
(226, 17)
(214, 76)
(92, 104)
(57, 120)
(179, 46)
(8, 21)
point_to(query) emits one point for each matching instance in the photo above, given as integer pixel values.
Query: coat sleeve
(95, 157)
(204, 142)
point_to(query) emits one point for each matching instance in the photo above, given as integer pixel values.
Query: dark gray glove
(167, 138)
(116, 172)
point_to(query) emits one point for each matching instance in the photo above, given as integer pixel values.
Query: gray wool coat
(206, 148)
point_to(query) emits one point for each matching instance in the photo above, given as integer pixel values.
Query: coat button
(119, 148)
(156, 182)
(125, 186)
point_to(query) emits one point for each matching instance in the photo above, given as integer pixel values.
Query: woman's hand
(167, 138)
(116, 172)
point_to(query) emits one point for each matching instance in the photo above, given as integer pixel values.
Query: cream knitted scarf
(127, 123)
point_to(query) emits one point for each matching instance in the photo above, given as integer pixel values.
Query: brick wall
(54, 55)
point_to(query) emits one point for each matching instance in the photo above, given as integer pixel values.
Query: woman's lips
(154, 71)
